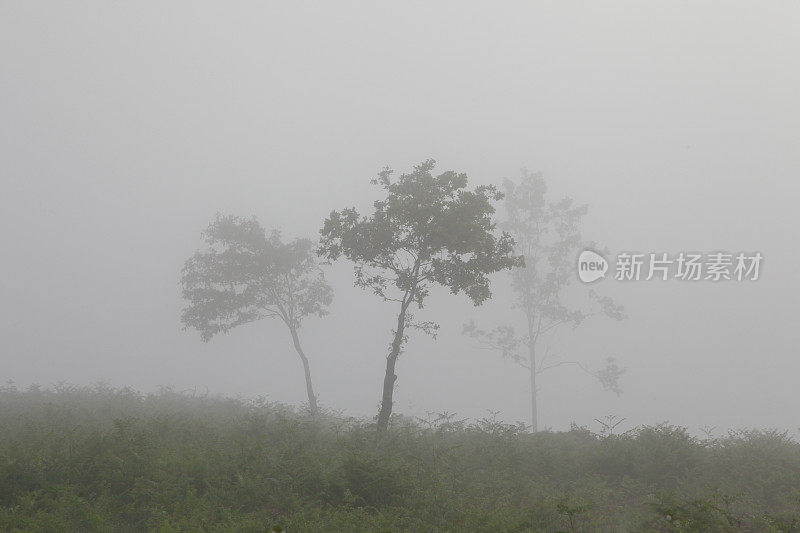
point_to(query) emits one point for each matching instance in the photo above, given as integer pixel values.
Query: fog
(125, 127)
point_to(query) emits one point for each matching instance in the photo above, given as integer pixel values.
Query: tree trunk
(534, 409)
(532, 361)
(312, 399)
(391, 377)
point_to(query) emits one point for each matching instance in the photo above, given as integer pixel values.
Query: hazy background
(124, 127)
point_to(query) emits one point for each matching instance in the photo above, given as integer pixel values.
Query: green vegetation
(100, 459)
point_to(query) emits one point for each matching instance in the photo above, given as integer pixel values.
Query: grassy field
(98, 459)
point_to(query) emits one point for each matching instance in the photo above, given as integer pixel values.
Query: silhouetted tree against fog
(548, 236)
(246, 275)
(428, 229)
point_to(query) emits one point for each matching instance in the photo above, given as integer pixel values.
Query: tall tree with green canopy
(427, 230)
(547, 235)
(246, 275)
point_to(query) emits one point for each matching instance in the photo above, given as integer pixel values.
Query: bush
(100, 459)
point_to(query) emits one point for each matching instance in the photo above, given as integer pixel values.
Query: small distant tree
(427, 230)
(548, 236)
(246, 275)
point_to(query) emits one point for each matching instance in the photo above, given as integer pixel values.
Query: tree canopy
(246, 275)
(428, 229)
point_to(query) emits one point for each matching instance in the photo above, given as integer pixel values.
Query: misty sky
(124, 127)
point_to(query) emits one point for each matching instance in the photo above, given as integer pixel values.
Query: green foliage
(245, 275)
(428, 229)
(101, 459)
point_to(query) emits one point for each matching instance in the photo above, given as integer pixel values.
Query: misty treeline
(426, 229)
